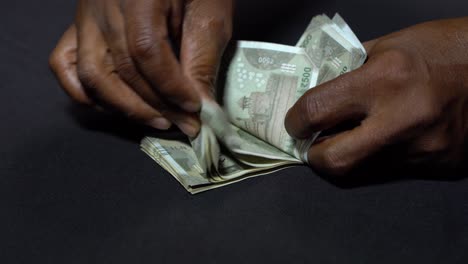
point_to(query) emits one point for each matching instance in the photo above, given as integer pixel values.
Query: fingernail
(191, 107)
(190, 130)
(160, 123)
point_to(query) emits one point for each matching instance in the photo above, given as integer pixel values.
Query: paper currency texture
(246, 137)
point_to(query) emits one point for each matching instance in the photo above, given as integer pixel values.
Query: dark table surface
(75, 188)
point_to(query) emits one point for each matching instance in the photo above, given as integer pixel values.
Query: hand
(411, 95)
(119, 55)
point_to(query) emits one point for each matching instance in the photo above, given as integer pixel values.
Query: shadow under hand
(117, 125)
(388, 167)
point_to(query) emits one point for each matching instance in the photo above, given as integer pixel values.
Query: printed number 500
(265, 60)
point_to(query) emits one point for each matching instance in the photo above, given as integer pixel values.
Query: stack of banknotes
(246, 137)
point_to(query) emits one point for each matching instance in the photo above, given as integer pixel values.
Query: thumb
(207, 29)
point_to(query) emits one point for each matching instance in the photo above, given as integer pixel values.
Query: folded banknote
(246, 136)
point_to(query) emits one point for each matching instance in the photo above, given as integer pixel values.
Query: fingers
(63, 63)
(346, 98)
(111, 23)
(149, 45)
(343, 152)
(96, 72)
(207, 29)
(327, 105)
(113, 30)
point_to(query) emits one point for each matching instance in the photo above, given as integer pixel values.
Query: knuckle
(145, 43)
(88, 74)
(427, 111)
(124, 66)
(334, 163)
(310, 108)
(142, 47)
(398, 65)
(54, 60)
(218, 25)
(205, 74)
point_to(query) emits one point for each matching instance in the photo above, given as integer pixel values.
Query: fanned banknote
(246, 137)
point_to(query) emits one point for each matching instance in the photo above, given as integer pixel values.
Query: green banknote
(246, 137)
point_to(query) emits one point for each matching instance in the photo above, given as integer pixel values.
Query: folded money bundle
(248, 138)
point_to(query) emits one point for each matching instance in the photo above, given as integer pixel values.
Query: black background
(75, 188)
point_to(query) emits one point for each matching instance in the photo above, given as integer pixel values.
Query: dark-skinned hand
(118, 55)
(411, 95)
